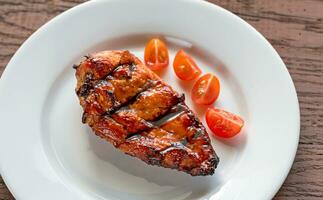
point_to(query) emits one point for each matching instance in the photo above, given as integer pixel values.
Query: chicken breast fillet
(128, 105)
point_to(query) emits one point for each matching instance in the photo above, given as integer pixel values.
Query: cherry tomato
(223, 123)
(185, 67)
(156, 54)
(206, 89)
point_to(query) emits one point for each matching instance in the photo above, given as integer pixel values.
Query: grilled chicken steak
(128, 105)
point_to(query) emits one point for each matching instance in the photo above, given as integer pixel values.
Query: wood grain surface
(293, 27)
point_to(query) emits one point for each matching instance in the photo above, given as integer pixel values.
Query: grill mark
(170, 112)
(184, 141)
(120, 64)
(131, 67)
(176, 110)
(173, 146)
(164, 118)
(112, 71)
(124, 74)
(135, 134)
(87, 87)
(97, 62)
(173, 112)
(167, 101)
(125, 105)
(108, 92)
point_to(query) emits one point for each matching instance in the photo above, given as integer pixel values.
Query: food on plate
(185, 67)
(206, 89)
(156, 54)
(127, 104)
(223, 123)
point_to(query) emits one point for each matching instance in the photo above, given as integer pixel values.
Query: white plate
(47, 153)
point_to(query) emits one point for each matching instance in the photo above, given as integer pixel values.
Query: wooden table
(293, 27)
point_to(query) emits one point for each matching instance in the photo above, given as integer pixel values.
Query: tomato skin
(156, 54)
(206, 89)
(223, 123)
(185, 67)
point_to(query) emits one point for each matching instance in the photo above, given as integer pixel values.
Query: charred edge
(212, 164)
(75, 66)
(87, 56)
(197, 125)
(181, 98)
(87, 86)
(153, 161)
(84, 116)
(84, 90)
(215, 161)
(201, 172)
(196, 121)
(154, 157)
(199, 132)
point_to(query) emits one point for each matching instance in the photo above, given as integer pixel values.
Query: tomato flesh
(206, 89)
(185, 67)
(223, 123)
(156, 54)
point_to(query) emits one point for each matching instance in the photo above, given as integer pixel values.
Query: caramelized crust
(131, 107)
(155, 102)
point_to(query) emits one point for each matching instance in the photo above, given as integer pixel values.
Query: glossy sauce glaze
(128, 105)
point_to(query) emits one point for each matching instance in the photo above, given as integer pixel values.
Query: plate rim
(70, 11)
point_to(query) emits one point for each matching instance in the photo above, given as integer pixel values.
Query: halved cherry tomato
(185, 67)
(206, 89)
(223, 123)
(156, 54)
